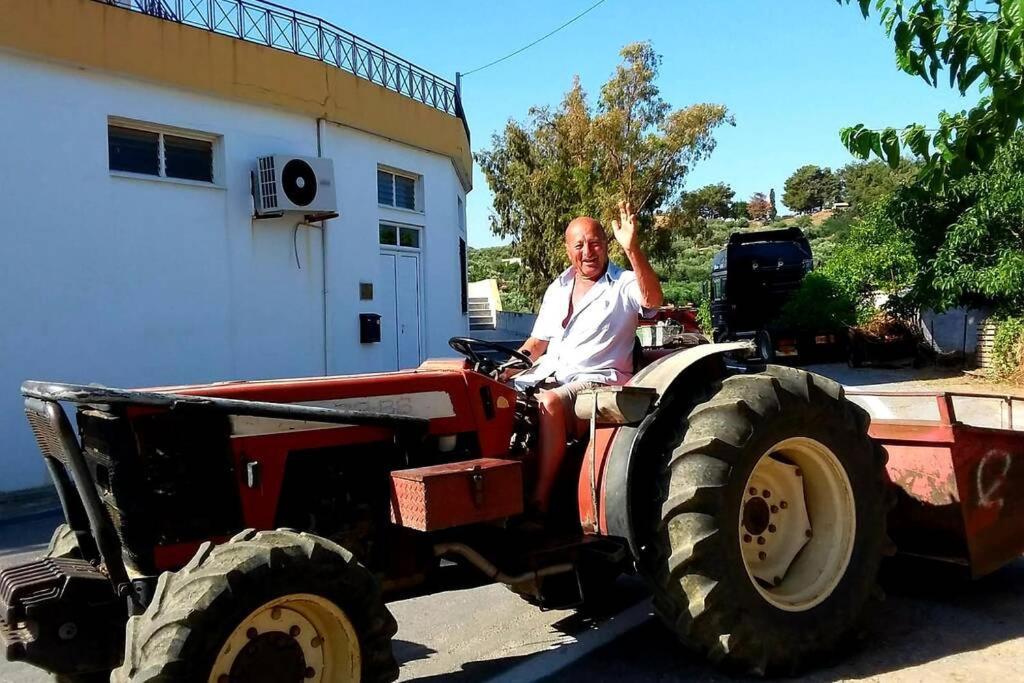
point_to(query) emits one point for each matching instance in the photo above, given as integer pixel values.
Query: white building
(130, 253)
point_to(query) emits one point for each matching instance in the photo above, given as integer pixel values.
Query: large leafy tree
(810, 188)
(710, 201)
(963, 246)
(976, 43)
(865, 182)
(581, 158)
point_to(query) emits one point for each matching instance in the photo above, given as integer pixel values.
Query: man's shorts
(567, 394)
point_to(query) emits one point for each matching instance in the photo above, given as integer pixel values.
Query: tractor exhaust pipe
(481, 563)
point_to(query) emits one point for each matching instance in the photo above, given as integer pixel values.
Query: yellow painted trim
(92, 35)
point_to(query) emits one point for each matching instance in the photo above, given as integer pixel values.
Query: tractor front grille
(44, 417)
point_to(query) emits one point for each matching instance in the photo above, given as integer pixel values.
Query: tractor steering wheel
(467, 346)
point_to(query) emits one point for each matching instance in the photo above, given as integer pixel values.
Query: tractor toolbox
(456, 494)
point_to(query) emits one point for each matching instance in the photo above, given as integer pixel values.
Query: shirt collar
(611, 274)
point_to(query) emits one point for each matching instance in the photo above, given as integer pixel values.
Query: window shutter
(405, 192)
(385, 188)
(134, 151)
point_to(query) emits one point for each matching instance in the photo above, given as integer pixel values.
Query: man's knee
(551, 403)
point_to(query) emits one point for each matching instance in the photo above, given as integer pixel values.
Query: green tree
(582, 158)
(975, 43)
(960, 246)
(865, 182)
(810, 188)
(501, 264)
(710, 201)
(739, 210)
(773, 210)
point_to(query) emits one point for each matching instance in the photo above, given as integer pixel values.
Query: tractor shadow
(930, 613)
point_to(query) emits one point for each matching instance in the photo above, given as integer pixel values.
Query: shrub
(820, 305)
(1008, 347)
(704, 316)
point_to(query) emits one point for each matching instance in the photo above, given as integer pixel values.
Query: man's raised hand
(624, 228)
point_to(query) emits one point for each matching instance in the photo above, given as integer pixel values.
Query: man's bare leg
(552, 446)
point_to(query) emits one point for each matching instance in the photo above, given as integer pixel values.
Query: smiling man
(585, 331)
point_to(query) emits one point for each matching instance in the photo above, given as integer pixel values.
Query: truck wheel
(264, 606)
(63, 543)
(765, 346)
(772, 522)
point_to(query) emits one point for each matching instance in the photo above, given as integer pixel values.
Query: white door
(400, 304)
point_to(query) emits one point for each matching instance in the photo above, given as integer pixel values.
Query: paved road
(932, 626)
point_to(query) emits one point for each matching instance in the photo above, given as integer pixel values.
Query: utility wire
(542, 38)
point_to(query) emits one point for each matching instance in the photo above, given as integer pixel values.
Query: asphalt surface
(934, 625)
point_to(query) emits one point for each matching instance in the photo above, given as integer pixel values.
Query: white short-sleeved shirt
(596, 343)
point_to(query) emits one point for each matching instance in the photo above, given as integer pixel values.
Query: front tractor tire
(772, 523)
(63, 543)
(265, 606)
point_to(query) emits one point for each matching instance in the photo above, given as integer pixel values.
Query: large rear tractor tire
(772, 522)
(265, 606)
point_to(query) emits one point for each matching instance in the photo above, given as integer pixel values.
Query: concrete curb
(548, 663)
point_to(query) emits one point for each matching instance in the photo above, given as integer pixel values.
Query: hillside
(683, 268)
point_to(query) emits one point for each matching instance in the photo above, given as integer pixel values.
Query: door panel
(400, 309)
(407, 287)
(388, 312)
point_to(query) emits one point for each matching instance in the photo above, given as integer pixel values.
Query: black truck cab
(751, 279)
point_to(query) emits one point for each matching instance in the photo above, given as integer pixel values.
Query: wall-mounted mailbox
(369, 328)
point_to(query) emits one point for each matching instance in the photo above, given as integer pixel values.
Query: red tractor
(253, 531)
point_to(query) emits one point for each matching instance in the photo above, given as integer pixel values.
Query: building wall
(357, 156)
(144, 282)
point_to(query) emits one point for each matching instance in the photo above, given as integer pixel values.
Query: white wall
(356, 158)
(137, 282)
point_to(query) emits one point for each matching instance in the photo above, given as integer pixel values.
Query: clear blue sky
(791, 72)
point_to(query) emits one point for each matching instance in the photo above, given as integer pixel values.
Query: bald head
(587, 225)
(587, 246)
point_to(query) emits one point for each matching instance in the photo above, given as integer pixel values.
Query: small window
(188, 159)
(134, 151)
(396, 190)
(409, 237)
(164, 155)
(465, 274)
(385, 188)
(388, 234)
(400, 235)
(405, 192)
(461, 215)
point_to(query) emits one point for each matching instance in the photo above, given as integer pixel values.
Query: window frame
(417, 190)
(161, 131)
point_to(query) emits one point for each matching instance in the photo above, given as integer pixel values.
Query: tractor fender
(686, 371)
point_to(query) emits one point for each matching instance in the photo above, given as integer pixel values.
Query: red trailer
(958, 485)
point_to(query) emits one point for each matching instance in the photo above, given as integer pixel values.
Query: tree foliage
(759, 208)
(581, 159)
(500, 263)
(975, 43)
(710, 201)
(961, 246)
(811, 188)
(865, 182)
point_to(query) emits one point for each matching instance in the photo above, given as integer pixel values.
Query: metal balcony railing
(265, 23)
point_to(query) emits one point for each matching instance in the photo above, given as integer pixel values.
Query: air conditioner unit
(286, 183)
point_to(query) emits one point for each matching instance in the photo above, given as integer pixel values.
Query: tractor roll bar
(92, 394)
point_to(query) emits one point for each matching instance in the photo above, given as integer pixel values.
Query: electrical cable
(542, 38)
